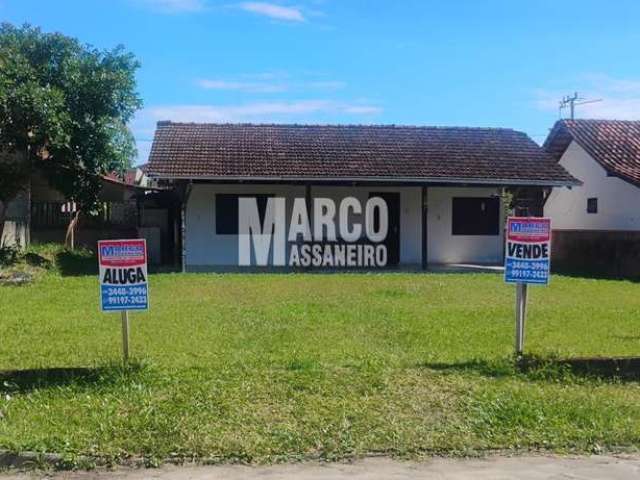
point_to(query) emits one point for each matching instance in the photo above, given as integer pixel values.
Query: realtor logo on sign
(528, 250)
(123, 274)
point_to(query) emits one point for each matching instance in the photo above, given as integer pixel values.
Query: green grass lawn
(279, 367)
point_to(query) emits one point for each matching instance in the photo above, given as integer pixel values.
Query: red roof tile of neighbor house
(351, 153)
(614, 144)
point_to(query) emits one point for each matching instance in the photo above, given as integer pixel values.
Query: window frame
(592, 205)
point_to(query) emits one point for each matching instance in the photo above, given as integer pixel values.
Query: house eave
(364, 180)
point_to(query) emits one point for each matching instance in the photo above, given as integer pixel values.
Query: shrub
(9, 255)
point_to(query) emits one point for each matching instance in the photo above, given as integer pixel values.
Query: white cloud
(619, 97)
(257, 111)
(271, 10)
(362, 109)
(327, 85)
(174, 6)
(272, 84)
(617, 85)
(250, 87)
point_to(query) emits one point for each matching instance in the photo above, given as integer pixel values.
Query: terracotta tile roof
(298, 152)
(116, 179)
(614, 144)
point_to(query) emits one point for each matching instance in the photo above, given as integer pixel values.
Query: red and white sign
(123, 274)
(528, 250)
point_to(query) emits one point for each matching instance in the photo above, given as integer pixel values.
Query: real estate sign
(528, 250)
(123, 274)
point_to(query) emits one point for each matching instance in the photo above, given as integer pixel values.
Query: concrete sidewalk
(522, 468)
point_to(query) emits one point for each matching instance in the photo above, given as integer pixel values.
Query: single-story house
(597, 225)
(443, 186)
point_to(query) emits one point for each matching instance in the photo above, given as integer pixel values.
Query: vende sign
(123, 274)
(528, 252)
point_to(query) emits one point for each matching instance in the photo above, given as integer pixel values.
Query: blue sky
(466, 63)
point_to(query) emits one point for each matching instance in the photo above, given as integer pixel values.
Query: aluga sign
(123, 280)
(331, 238)
(123, 274)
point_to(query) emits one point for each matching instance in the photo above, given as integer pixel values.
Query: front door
(392, 241)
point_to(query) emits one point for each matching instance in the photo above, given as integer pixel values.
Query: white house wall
(205, 250)
(617, 200)
(203, 247)
(443, 247)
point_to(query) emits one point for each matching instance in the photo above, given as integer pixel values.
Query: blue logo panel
(527, 271)
(124, 297)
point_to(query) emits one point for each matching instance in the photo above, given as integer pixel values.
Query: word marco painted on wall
(324, 234)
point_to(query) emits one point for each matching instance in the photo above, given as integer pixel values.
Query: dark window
(592, 205)
(227, 211)
(476, 216)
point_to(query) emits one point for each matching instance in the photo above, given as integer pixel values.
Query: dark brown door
(392, 241)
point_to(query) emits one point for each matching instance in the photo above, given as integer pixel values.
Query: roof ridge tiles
(162, 123)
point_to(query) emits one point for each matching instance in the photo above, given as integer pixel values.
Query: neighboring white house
(598, 221)
(442, 186)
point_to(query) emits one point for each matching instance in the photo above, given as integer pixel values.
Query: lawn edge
(33, 461)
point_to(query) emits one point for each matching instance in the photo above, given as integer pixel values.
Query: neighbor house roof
(339, 152)
(614, 144)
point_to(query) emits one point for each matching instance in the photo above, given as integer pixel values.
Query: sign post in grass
(521, 315)
(527, 261)
(125, 335)
(123, 280)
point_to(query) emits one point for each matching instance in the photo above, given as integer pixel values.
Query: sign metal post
(123, 281)
(521, 316)
(125, 335)
(527, 261)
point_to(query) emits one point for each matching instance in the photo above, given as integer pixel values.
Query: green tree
(64, 108)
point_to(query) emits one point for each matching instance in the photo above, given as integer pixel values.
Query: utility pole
(572, 101)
